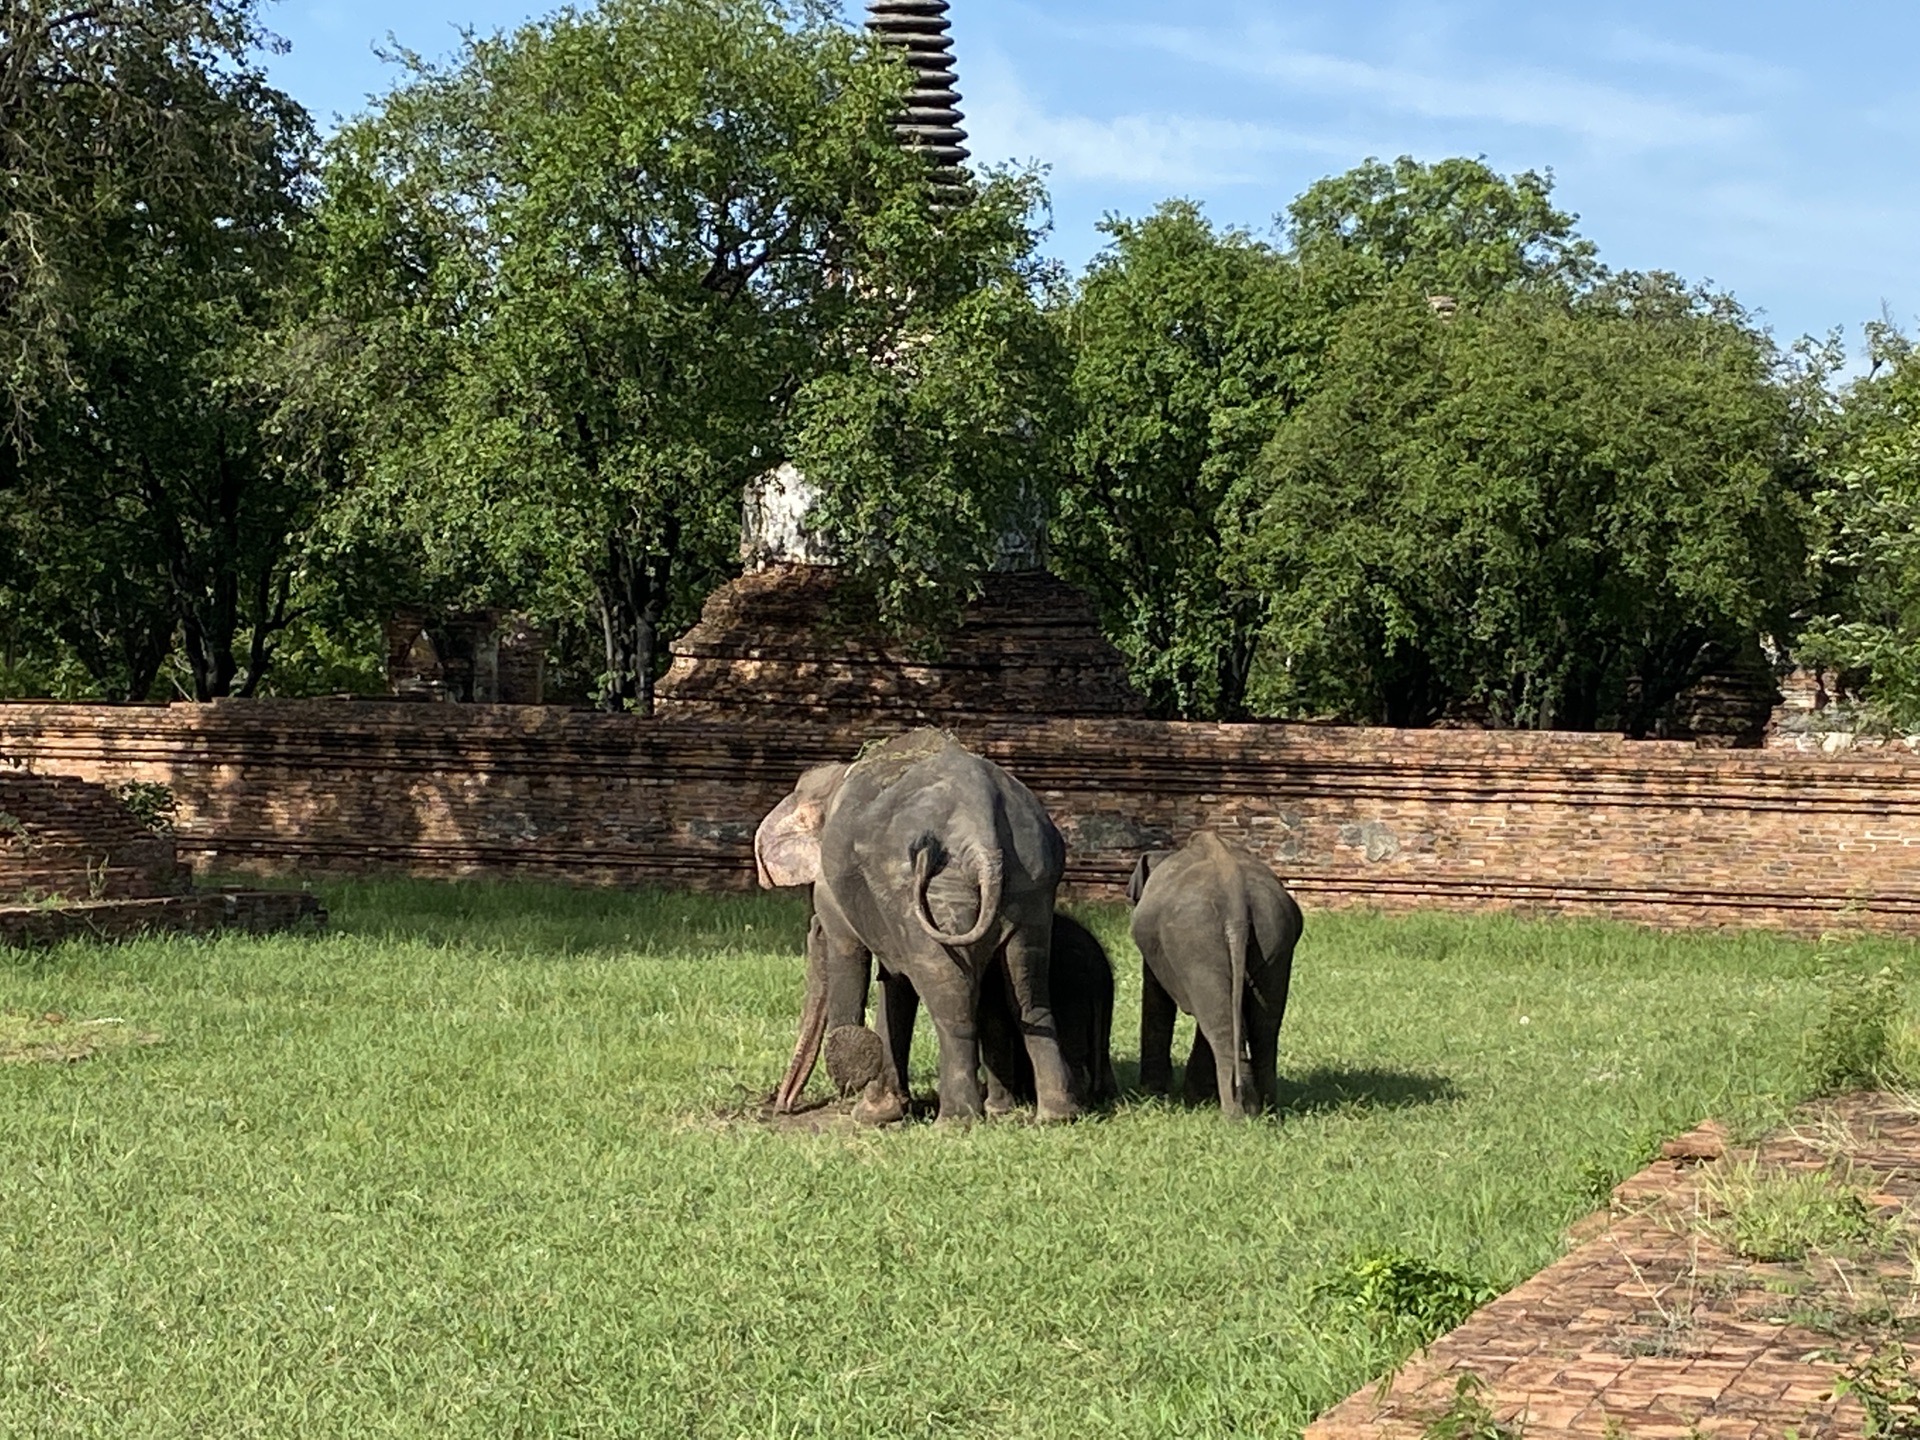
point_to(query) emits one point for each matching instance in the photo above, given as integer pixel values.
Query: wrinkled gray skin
(1081, 985)
(1216, 933)
(933, 862)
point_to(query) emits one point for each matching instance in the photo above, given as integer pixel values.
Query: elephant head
(1142, 868)
(786, 847)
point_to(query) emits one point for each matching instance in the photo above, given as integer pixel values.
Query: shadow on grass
(1329, 1088)
(1364, 1088)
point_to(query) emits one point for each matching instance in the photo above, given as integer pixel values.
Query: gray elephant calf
(1081, 987)
(1216, 933)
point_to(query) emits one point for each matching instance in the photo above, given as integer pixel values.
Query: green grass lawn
(463, 1167)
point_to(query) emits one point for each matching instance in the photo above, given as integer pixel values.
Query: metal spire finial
(930, 125)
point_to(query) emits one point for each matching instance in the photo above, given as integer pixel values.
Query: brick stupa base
(776, 642)
(75, 862)
(1652, 1327)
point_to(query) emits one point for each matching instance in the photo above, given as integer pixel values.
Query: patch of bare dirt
(53, 1039)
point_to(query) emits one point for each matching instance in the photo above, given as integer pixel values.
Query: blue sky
(1767, 147)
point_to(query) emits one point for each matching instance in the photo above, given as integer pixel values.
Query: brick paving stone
(1568, 1351)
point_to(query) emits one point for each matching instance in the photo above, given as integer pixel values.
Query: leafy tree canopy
(153, 182)
(1454, 228)
(1188, 350)
(1191, 348)
(1546, 508)
(583, 283)
(1869, 514)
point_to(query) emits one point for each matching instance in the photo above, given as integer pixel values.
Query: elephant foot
(878, 1105)
(1057, 1114)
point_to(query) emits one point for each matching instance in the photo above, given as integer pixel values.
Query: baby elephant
(1080, 982)
(1216, 931)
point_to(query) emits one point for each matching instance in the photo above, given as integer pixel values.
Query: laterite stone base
(254, 911)
(1649, 1327)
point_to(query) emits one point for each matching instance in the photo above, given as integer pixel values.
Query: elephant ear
(786, 847)
(1141, 869)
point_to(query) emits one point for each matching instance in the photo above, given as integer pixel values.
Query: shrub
(152, 804)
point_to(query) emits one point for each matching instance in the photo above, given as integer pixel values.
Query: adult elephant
(1216, 932)
(932, 861)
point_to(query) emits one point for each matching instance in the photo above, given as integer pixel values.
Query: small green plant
(1887, 1388)
(154, 805)
(1851, 1044)
(1468, 1416)
(13, 831)
(1781, 1215)
(1597, 1181)
(1399, 1292)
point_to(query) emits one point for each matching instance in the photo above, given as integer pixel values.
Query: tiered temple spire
(917, 29)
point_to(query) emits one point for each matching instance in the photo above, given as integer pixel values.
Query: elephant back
(925, 785)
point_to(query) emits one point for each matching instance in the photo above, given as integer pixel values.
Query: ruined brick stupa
(774, 642)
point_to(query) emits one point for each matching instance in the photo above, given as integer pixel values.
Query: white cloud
(1745, 71)
(1453, 88)
(1142, 148)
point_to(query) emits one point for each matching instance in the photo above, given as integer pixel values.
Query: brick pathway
(1650, 1327)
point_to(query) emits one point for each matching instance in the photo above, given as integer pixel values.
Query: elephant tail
(986, 870)
(1239, 931)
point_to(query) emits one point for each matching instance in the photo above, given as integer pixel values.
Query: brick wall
(1651, 831)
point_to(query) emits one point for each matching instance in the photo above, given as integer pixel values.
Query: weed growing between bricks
(1469, 1417)
(1407, 1300)
(1887, 1387)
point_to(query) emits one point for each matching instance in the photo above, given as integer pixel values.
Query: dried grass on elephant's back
(892, 757)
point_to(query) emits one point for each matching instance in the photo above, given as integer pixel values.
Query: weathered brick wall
(62, 836)
(1654, 831)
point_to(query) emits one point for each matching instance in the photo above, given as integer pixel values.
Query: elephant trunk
(987, 869)
(806, 1049)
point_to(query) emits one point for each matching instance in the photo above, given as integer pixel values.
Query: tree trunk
(1235, 670)
(633, 593)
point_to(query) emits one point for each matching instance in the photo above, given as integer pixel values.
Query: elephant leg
(837, 977)
(1000, 1044)
(1266, 1008)
(1105, 1087)
(1157, 1013)
(1264, 1036)
(848, 966)
(894, 1017)
(951, 997)
(1239, 1094)
(1028, 950)
(1208, 1076)
(1201, 1082)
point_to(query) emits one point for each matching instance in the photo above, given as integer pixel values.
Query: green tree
(584, 282)
(1543, 508)
(1186, 356)
(934, 418)
(1192, 346)
(1869, 514)
(153, 180)
(1455, 228)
